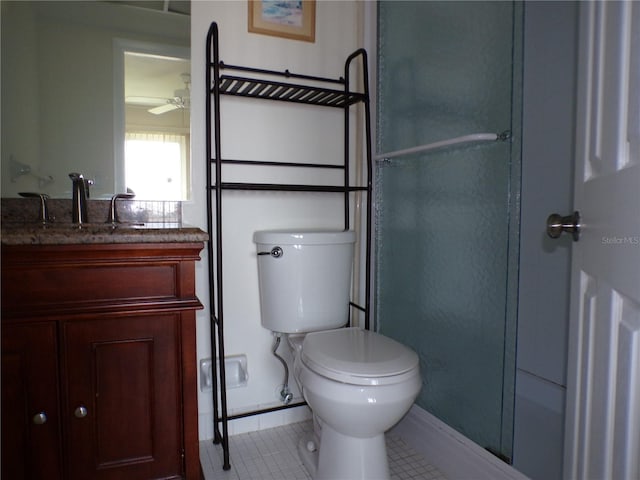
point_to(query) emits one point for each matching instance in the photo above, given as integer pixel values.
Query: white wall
(264, 131)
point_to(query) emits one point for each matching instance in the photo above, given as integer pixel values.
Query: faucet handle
(113, 212)
(43, 216)
(87, 183)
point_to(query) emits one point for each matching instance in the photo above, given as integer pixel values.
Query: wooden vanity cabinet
(99, 362)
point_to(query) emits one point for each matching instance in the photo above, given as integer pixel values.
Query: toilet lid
(359, 357)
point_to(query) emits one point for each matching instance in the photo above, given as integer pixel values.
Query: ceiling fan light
(181, 99)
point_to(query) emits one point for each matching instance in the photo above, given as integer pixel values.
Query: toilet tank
(305, 279)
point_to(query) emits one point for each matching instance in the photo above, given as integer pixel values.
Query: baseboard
(457, 457)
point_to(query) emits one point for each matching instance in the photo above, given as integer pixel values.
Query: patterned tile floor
(272, 455)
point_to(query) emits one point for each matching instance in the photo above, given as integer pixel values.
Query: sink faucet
(80, 190)
(44, 217)
(113, 211)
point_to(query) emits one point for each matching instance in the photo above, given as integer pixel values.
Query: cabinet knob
(40, 418)
(80, 412)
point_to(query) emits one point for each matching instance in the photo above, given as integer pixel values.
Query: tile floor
(272, 455)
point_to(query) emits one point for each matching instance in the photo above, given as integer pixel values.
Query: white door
(602, 439)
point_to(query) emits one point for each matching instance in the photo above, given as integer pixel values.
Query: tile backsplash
(26, 210)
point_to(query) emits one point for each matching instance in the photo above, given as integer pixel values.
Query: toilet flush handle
(276, 252)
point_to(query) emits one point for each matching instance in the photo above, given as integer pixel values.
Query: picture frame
(295, 20)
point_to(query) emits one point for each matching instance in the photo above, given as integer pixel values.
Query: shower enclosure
(447, 215)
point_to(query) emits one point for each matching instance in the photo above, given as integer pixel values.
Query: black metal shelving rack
(267, 85)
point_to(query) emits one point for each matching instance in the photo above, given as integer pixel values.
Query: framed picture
(294, 19)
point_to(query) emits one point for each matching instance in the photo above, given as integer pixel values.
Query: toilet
(357, 383)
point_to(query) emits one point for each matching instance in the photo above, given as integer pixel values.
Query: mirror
(64, 65)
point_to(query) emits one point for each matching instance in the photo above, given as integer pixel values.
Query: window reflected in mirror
(156, 141)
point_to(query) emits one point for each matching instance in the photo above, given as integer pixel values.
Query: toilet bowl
(357, 383)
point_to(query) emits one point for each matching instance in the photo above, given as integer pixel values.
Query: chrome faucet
(80, 191)
(44, 217)
(113, 211)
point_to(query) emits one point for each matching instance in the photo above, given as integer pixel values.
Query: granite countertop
(21, 233)
(142, 222)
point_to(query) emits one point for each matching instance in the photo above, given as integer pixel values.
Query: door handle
(556, 224)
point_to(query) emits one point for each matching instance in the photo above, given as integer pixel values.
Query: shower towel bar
(474, 137)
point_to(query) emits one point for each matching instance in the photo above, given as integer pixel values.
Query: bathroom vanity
(99, 352)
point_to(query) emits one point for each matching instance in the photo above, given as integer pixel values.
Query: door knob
(556, 224)
(80, 412)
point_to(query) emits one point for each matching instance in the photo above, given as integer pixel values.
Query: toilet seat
(358, 357)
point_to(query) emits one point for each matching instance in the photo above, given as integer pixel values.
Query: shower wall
(550, 52)
(448, 220)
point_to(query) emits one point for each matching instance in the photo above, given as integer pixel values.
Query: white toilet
(358, 383)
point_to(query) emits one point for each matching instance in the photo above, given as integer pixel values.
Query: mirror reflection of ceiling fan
(181, 99)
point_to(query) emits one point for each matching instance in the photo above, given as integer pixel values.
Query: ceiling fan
(181, 98)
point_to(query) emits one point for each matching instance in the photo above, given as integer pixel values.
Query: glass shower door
(447, 219)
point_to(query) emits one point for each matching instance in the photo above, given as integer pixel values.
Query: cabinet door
(30, 415)
(123, 397)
